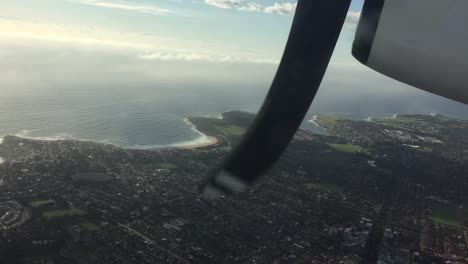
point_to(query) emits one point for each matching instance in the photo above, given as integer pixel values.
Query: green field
(349, 148)
(166, 165)
(231, 130)
(328, 122)
(449, 214)
(40, 203)
(325, 187)
(72, 211)
(445, 220)
(89, 226)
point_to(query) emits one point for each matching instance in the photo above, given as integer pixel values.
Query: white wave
(411, 146)
(23, 133)
(194, 128)
(1, 160)
(26, 135)
(395, 116)
(314, 120)
(202, 139)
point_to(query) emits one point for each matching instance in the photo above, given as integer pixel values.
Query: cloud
(353, 17)
(251, 7)
(30, 67)
(281, 9)
(208, 57)
(142, 47)
(242, 5)
(148, 9)
(225, 4)
(287, 8)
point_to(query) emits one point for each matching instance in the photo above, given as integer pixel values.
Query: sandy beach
(209, 142)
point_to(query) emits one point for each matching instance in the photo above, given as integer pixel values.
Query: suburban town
(383, 190)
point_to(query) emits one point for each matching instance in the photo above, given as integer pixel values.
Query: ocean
(130, 117)
(147, 117)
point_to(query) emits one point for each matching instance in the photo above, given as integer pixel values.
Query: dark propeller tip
(224, 183)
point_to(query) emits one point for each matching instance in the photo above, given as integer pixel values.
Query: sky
(47, 43)
(225, 36)
(212, 30)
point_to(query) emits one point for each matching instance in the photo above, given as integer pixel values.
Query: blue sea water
(132, 117)
(151, 117)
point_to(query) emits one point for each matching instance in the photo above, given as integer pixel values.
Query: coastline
(314, 120)
(201, 141)
(211, 141)
(318, 129)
